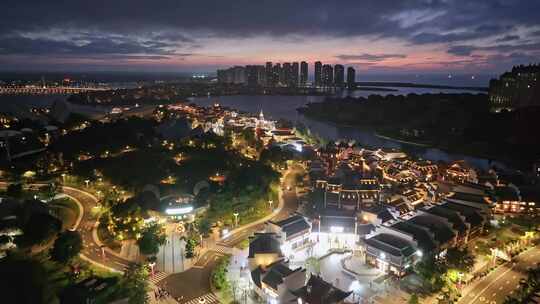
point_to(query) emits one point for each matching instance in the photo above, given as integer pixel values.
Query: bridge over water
(35, 90)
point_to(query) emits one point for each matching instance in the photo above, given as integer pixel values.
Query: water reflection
(284, 107)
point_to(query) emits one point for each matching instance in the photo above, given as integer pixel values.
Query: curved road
(92, 251)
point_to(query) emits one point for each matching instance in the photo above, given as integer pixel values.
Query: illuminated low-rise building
(294, 232)
(264, 249)
(179, 207)
(335, 229)
(350, 196)
(461, 172)
(273, 282)
(390, 253)
(525, 200)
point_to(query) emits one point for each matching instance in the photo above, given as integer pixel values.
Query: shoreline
(510, 163)
(402, 141)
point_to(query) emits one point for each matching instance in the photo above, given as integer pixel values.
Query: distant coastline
(418, 85)
(380, 89)
(401, 140)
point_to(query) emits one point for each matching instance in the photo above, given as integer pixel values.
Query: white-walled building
(294, 233)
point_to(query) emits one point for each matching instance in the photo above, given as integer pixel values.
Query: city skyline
(288, 74)
(373, 37)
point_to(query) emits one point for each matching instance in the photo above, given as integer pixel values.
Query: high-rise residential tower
(351, 78)
(339, 75)
(287, 74)
(303, 73)
(294, 76)
(269, 74)
(276, 74)
(318, 74)
(327, 75)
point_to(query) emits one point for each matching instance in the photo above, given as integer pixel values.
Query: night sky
(380, 36)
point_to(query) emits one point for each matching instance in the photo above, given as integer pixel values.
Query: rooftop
(293, 225)
(468, 197)
(419, 233)
(441, 232)
(318, 291)
(391, 244)
(274, 273)
(472, 216)
(451, 215)
(263, 243)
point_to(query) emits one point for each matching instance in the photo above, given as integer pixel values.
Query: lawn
(67, 211)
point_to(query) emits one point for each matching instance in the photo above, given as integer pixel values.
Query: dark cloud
(508, 38)
(466, 50)
(173, 36)
(461, 50)
(277, 17)
(163, 27)
(18, 45)
(482, 31)
(370, 57)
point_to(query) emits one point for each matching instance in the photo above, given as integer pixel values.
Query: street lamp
(152, 264)
(63, 177)
(235, 219)
(270, 202)
(87, 181)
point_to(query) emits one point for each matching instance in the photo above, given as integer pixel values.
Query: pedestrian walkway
(158, 277)
(208, 298)
(171, 257)
(222, 249)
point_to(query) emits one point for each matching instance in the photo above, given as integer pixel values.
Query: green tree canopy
(413, 299)
(459, 259)
(135, 284)
(152, 237)
(204, 226)
(431, 273)
(66, 246)
(190, 248)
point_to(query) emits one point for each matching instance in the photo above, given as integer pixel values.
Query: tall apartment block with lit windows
(518, 88)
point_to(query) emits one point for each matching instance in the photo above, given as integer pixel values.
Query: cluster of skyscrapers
(288, 75)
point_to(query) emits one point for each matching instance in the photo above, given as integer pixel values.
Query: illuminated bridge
(36, 90)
